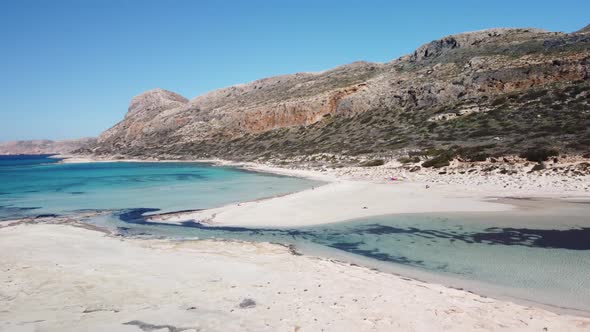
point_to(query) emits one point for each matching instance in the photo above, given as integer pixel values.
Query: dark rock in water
(247, 303)
(293, 250)
(48, 215)
(174, 213)
(28, 208)
(135, 215)
(572, 239)
(373, 253)
(147, 327)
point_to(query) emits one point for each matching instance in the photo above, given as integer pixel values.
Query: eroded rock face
(474, 67)
(256, 107)
(472, 40)
(142, 117)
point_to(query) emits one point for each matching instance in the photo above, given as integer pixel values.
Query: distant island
(44, 146)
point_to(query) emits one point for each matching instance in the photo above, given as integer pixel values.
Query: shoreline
(320, 252)
(335, 202)
(476, 287)
(470, 200)
(249, 166)
(347, 191)
(479, 181)
(313, 292)
(362, 192)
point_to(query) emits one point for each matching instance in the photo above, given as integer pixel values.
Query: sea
(535, 256)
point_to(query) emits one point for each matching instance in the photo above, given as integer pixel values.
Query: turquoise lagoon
(539, 255)
(34, 185)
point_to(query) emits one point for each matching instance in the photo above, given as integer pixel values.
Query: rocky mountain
(483, 93)
(586, 29)
(44, 146)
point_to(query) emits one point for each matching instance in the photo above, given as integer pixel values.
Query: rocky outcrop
(585, 29)
(44, 146)
(141, 118)
(325, 110)
(154, 101)
(276, 102)
(476, 39)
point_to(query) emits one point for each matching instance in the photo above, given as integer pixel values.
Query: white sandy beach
(338, 201)
(65, 278)
(356, 192)
(297, 166)
(359, 192)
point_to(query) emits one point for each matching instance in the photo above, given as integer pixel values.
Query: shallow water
(34, 185)
(539, 253)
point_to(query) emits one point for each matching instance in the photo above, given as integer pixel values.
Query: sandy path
(63, 278)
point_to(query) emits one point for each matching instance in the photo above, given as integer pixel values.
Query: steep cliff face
(143, 119)
(262, 105)
(382, 106)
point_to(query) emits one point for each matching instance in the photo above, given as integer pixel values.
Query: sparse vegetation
(439, 161)
(373, 163)
(534, 123)
(408, 160)
(539, 154)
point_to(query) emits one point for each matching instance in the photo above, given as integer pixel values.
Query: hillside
(473, 95)
(43, 146)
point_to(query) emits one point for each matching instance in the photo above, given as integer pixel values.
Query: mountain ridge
(463, 74)
(44, 146)
(585, 29)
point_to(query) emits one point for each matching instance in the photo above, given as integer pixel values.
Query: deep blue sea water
(539, 256)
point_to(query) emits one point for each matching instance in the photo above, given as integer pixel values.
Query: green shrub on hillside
(539, 154)
(407, 160)
(372, 163)
(439, 161)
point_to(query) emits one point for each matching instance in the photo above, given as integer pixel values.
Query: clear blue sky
(69, 68)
